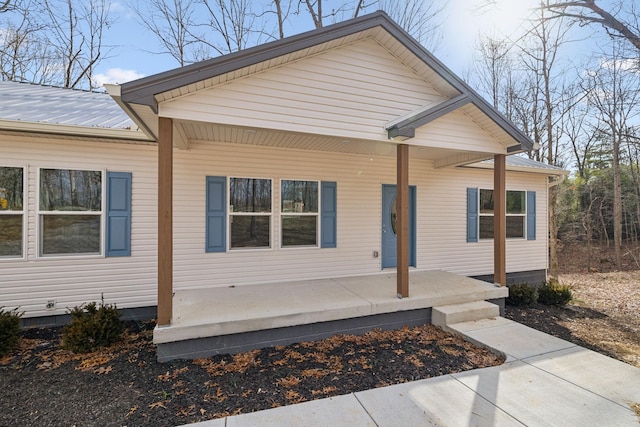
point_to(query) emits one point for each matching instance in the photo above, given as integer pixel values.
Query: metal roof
(26, 102)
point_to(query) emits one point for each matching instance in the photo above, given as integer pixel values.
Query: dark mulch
(43, 385)
(553, 321)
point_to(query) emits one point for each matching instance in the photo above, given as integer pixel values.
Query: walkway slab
(516, 341)
(441, 401)
(330, 412)
(536, 398)
(609, 378)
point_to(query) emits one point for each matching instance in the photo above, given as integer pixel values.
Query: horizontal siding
(446, 132)
(131, 281)
(70, 281)
(441, 205)
(351, 91)
(443, 243)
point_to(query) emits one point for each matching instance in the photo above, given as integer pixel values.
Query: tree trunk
(553, 233)
(617, 202)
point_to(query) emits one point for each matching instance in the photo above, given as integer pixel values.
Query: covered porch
(239, 318)
(266, 113)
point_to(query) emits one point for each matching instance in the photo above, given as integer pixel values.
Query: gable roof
(30, 107)
(151, 90)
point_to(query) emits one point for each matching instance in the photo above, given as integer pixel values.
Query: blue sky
(132, 52)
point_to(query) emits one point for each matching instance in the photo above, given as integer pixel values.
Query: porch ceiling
(213, 132)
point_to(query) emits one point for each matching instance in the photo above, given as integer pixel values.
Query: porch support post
(402, 220)
(499, 220)
(165, 221)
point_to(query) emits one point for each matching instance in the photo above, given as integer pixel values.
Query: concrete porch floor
(216, 313)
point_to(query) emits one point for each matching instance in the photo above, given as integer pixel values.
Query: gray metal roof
(33, 103)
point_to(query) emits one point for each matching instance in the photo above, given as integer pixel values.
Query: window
(516, 214)
(299, 213)
(250, 213)
(11, 212)
(70, 212)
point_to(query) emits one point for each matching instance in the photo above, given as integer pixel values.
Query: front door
(389, 233)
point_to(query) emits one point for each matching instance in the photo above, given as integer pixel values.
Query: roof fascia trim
(72, 130)
(406, 125)
(115, 91)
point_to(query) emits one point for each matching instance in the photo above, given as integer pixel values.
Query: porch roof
(140, 98)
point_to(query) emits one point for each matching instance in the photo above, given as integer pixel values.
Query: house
(345, 152)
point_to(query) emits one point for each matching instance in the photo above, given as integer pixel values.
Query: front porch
(234, 319)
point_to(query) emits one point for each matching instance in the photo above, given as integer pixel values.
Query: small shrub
(92, 327)
(522, 294)
(553, 293)
(9, 330)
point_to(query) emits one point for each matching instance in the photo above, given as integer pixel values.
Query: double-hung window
(70, 212)
(250, 213)
(12, 217)
(299, 213)
(516, 214)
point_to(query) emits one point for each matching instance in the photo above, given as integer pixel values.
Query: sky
(131, 54)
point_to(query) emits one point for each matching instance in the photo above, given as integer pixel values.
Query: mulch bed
(553, 320)
(43, 385)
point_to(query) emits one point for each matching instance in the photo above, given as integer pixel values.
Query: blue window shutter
(216, 231)
(531, 215)
(118, 227)
(328, 217)
(472, 214)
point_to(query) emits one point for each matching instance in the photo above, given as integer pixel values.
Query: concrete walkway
(545, 381)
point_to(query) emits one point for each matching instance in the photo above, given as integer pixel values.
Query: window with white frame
(70, 212)
(516, 214)
(299, 213)
(250, 213)
(12, 218)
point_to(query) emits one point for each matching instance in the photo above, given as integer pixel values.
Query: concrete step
(456, 313)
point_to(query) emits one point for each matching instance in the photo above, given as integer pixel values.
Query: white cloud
(115, 75)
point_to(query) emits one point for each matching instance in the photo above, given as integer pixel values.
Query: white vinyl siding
(441, 216)
(71, 280)
(131, 281)
(349, 92)
(331, 94)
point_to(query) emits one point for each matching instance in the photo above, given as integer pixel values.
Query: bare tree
(419, 18)
(281, 16)
(616, 97)
(24, 54)
(492, 67)
(233, 21)
(578, 129)
(54, 41)
(5, 5)
(170, 22)
(75, 33)
(540, 56)
(621, 20)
